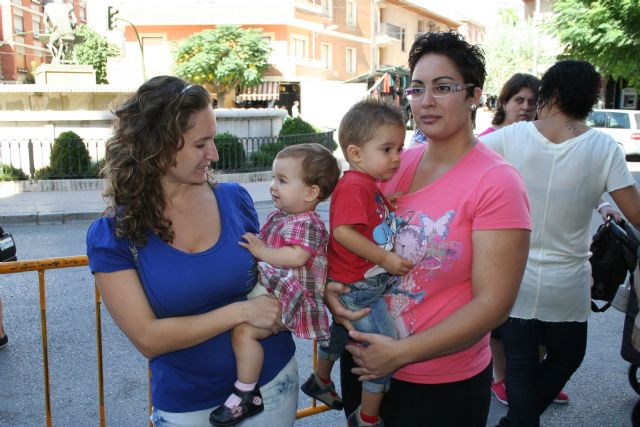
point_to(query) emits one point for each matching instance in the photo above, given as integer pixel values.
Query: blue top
(178, 284)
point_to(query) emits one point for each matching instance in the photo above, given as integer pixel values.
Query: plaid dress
(299, 290)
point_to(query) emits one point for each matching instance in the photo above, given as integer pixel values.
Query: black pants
(458, 404)
(531, 385)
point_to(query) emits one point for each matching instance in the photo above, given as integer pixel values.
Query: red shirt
(357, 201)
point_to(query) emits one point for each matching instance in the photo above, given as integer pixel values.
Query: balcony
(387, 33)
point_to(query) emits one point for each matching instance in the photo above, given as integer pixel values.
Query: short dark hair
(364, 118)
(573, 85)
(509, 89)
(319, 166)
(469, 59)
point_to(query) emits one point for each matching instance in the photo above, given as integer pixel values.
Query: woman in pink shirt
(463, 219)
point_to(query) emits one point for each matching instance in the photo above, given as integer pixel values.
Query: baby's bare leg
(248, 351)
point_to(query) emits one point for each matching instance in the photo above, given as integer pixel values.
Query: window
(637, 120)
(35, 26)
(402, 40)
(351, 60)
(326, 52)
(21, 60)
(82, 12)
(18, 24)
(298, 47)
(619, 121)
(596, 119)
(327, 7)
(352, 12)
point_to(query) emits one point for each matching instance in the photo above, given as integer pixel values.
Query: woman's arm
(628, 200)
(126, 301)
(499, 259)
(292, 256)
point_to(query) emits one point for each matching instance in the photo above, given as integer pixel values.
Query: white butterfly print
(438, 227)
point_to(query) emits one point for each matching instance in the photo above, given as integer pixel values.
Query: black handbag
(614, 255)
(7, 247)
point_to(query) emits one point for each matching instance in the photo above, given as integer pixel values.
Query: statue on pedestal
(60, 22)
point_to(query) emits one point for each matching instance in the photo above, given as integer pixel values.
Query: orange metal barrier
(41, 265)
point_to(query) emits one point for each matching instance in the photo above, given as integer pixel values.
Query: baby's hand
(254, 244)
(395, 264)
(393, 197)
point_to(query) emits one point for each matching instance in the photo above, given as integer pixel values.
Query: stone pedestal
(65, 75)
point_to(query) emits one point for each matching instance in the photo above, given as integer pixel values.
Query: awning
(266, 91)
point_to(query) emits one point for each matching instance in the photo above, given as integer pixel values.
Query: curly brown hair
(149, 130)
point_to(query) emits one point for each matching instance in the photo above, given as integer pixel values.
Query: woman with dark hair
(517, 101)
(168, 264)
(566, 166)
(463, 219)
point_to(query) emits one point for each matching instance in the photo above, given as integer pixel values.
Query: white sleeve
(619, 175)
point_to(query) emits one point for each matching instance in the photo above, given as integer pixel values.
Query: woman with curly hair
(566, 167)
(168, 265)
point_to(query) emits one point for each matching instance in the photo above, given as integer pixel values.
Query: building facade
(311, 40)
(21, 23)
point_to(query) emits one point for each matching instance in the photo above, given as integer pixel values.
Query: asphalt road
(600, 393)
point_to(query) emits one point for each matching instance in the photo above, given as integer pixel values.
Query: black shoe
(4, 341)
(326, 393)
(250, 404)
(504, 422)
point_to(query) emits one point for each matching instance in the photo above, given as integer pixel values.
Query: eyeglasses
(437, 91)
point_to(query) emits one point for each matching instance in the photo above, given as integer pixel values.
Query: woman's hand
(381, 357)
(341, 314)
(265, 312)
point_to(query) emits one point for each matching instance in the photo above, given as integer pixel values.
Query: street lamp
(19, 33)
(112, 18)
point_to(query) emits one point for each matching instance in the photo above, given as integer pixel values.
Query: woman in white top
(566, 167)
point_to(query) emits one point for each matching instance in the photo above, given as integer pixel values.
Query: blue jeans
(280, 397)
(365, 293)
(532, 385)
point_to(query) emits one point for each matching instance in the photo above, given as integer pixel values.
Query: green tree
(603, 32)
(224, 58)
(509, 49)
(94, 50)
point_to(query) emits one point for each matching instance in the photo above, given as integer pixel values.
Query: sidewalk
(48, 207)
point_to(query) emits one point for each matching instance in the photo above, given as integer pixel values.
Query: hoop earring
(473, 107)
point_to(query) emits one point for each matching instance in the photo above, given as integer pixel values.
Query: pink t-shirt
(435, 224)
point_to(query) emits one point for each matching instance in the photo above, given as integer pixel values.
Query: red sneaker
(499, 390)
(562, 397)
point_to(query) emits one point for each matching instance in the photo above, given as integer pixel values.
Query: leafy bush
(296, 126)
(263, 158)
(69, 156)
(230, 152)
(9, 173)
(95, 171)
(44, 173)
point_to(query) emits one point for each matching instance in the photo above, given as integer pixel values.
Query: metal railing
(42, 265)
(31, 158)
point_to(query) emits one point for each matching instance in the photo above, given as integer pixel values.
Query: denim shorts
(280, 397)
(365, 293)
